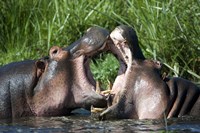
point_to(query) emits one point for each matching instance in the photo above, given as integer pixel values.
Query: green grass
(168, 31)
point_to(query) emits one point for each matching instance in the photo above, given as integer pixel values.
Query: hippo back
(15, 78)
(185, 97)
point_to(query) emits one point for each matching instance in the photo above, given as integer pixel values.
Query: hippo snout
(96, 100)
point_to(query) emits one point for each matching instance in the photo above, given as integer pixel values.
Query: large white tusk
(110, 85)
(98, 89)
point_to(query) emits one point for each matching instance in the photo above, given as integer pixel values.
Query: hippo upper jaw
(92, 41)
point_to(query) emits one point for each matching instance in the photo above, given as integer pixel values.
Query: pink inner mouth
(89, 75)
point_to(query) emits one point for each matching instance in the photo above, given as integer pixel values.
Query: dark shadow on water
(83, 122)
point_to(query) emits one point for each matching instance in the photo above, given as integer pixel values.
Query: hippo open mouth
(93, 42)
(97, 40)
(121, 103)
(89, 75)
(90, 44)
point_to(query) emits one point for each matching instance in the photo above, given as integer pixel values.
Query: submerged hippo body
(15, 78)
(137, 95)
(185, 97)
(47, 87)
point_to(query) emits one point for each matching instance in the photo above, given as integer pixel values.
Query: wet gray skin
(46, 87)
(185, 97)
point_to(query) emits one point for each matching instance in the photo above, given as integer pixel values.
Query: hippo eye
(114, 38)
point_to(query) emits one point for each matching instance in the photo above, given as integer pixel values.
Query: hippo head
(124, 42)
(62, 85)
(138, 90)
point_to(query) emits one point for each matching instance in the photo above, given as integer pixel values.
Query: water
(84, 123)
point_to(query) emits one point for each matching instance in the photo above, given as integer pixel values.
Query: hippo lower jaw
(84, 86)
(97, 100)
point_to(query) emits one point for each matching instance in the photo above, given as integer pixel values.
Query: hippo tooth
(110, 85)
(98, 90)
(96, 110)
(106, 92)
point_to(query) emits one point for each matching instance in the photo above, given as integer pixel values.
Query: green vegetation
(167, 30)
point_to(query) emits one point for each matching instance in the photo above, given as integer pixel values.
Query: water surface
(86, 124)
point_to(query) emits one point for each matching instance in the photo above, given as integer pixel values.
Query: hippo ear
(157, 64)
(40, 67)
(54, 51)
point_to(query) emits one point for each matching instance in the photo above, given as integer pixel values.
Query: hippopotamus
(185, 97)
(139, 91)
(50, 86)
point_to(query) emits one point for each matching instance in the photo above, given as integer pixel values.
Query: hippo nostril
(55, 51)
